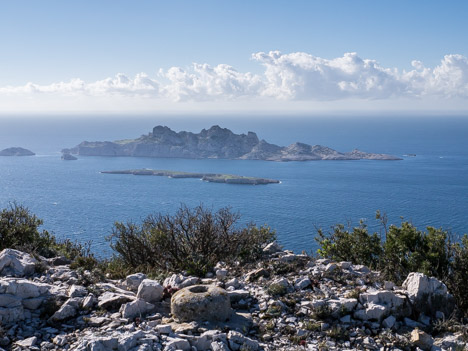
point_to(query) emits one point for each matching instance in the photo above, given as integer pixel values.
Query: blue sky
(46, 44)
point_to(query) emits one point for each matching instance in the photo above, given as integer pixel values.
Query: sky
(234, 55)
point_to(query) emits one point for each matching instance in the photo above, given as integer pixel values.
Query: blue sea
(76, 201)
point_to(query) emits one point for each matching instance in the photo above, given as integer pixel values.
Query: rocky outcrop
(16, 263)
(216, 142)
(285, 302)
(16, 151)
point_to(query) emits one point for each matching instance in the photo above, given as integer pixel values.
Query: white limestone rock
(132, 282)
(16, 263)
(372, 312)
(137, 308)
(272, 248)
(150, 291)
(110, 300)
(389, 322)
(302, 283)
(177, 344)
(68, 310)
(77, 291)
(238, 341)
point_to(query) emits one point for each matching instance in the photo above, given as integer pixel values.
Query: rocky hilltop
(287, 302)
(16, 151)
(215, 142)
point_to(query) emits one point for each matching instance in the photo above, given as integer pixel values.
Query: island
(16, 151)
(208, 177)
(216, 142)
(68, 157)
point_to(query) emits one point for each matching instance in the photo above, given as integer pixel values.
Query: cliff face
(215, 142)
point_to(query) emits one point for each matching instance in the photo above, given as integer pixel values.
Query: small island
(68, 157)
(16, 151)
(208, 177)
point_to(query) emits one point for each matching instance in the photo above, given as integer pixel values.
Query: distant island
(208, 177)
(16, 151)
(68, 157)
(215, 142)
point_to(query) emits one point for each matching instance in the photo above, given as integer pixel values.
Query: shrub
(192, 240)
(458, 277)
(405, 249)
(357, 246)
(19, 229)
(277, 290)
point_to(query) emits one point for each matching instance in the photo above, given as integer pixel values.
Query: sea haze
(76, 201)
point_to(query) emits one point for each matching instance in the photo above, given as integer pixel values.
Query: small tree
(19, 229)
(193, 240)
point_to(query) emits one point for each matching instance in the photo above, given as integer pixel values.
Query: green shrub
(356, 246)
(277, 290)
(19, 229)
(458, 277)
(192, 240)
(404, 249)
(408, 249)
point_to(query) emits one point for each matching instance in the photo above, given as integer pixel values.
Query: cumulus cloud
(287, 77)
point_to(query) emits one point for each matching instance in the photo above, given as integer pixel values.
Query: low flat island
(208, 177)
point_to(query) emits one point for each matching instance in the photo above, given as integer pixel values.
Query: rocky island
(68, 157)
(208, 177)
(16, 151)
(216, 142)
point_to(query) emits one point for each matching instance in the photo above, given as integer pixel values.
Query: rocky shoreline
(285, 302)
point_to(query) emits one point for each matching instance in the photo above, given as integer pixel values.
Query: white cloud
(287, 77)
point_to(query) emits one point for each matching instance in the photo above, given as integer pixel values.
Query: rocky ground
(285, 302)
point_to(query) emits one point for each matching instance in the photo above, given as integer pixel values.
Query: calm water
(77, 202)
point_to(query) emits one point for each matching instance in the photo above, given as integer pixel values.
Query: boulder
(272, 248)
(177, 344)
(132, 282)
(180, 281)
(150, 291)
(201, 302)
(419, 285)
(77, 291)
(302, 283)
(16, 263)
(421, 339)
(27, 343)
(137, 308)
(428, 294)
(112, 301)
(372, 312)
(68, 310)
(389, 322)
(11, 315)
(237, 341)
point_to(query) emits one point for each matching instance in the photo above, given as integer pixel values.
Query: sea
(428, 187)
